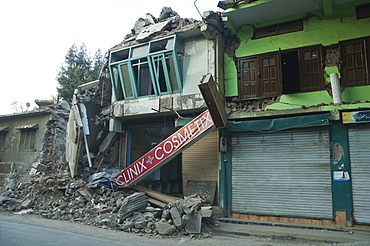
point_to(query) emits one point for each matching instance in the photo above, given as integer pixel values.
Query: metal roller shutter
(359, 145)
(285, 173)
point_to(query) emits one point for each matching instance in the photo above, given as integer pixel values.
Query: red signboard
(165, 151)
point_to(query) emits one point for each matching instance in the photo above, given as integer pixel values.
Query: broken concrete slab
(26, 203)
(176, 216)
(151, 30)
(38, 167)
(164, 228)
(86, 192)
(108, 142)
(193, 222)
(206, 212)
(191, 203)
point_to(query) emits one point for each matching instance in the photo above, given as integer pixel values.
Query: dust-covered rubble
(55, 195)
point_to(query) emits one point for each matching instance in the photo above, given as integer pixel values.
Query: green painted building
(297, 89)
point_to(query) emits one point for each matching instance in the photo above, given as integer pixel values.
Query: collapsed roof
(168, 23)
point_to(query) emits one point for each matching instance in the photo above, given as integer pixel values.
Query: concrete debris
(26, 211)
(26, 203)
(55, 195)
(86, 192)
(54, 141)
(38, 167)
(176, 216)
(258, 105)
(168, 23)
(164, 228)
(151, 30)
(193, 222)
(103, 178)
(44, 103)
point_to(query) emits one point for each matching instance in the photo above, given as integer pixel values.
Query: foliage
(19, 107)
(78, 68)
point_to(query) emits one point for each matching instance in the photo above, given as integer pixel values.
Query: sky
(35, 37)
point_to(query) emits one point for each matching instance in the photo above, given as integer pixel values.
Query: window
(27, 142)
(28, 138)
(146, 70)
(355, 59)
(363, 11)
(285, 72)
(3, 133)
(282, 28)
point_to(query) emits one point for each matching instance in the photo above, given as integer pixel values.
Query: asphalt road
(32, 230)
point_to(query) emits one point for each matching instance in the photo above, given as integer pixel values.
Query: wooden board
(206, 189)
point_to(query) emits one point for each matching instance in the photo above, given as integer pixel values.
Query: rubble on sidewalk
(54, 195)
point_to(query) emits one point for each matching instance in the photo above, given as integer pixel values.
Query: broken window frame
(163, 58)
(263, 84)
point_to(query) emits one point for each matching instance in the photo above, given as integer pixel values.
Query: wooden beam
(157, 203)
(156, 195)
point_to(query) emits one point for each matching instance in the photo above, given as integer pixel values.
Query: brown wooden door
(312, 78)
(269, 75)
(248, 81)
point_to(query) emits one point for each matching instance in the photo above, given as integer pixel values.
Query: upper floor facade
(287, 51)
(158, 68)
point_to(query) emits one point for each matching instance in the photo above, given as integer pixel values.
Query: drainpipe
(335, 87)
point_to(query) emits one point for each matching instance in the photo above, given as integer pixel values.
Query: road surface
(31, 230)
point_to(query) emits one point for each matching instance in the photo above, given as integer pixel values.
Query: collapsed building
(147, 89)
(34, 138)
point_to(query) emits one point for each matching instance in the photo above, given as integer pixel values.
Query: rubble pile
(234, 105)
(54, 140)
(55, 195)
(167, 22)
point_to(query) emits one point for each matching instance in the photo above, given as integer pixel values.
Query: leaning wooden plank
(156, 195)
(157, 203)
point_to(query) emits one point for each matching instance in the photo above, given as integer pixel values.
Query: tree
(15, 106)
(28, 105)
(78, 68)
(18, 107)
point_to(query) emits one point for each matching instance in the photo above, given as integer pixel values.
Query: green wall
(297, 100)
(342, 25)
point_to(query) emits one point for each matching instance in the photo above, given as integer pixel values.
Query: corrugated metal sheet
(200, 161)
(133, 203)
(359, 145)
(285, 173)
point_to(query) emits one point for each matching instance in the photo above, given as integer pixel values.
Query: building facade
(149, 87)
(298, 96)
